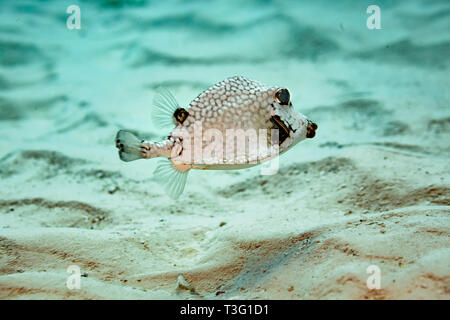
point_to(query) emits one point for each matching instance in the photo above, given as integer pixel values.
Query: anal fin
(171, 179)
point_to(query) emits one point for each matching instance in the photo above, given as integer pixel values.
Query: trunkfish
(237, 123)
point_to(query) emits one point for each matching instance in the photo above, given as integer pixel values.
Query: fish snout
(311, 128)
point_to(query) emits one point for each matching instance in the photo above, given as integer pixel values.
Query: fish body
(235, 124)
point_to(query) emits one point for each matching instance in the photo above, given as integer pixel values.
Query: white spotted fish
(235, 124)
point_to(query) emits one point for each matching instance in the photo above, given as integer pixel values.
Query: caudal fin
(129, 146)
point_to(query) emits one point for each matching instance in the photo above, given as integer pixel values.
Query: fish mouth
(283, 129)
(311, 129)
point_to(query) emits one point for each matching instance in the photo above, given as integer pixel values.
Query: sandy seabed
(372, 188)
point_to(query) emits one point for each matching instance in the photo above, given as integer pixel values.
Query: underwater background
(371, 189)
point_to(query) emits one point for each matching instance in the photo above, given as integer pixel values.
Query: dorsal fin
(164, 106)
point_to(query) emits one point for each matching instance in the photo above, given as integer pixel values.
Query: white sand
(372, 188)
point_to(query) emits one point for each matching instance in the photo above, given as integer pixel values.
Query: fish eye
(282, 96)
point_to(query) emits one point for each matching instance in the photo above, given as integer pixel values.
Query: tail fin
(129, 146)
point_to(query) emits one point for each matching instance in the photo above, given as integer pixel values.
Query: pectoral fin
(165, 105)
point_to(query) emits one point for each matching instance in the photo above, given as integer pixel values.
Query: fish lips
(311, 129)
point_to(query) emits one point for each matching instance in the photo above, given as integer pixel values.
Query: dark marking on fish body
(283, 130)
(180, 115)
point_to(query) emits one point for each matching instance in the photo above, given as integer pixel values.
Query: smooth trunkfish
(237, 123)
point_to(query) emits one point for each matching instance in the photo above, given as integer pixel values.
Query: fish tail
(130, 146)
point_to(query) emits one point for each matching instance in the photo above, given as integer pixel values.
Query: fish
(235, 124)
